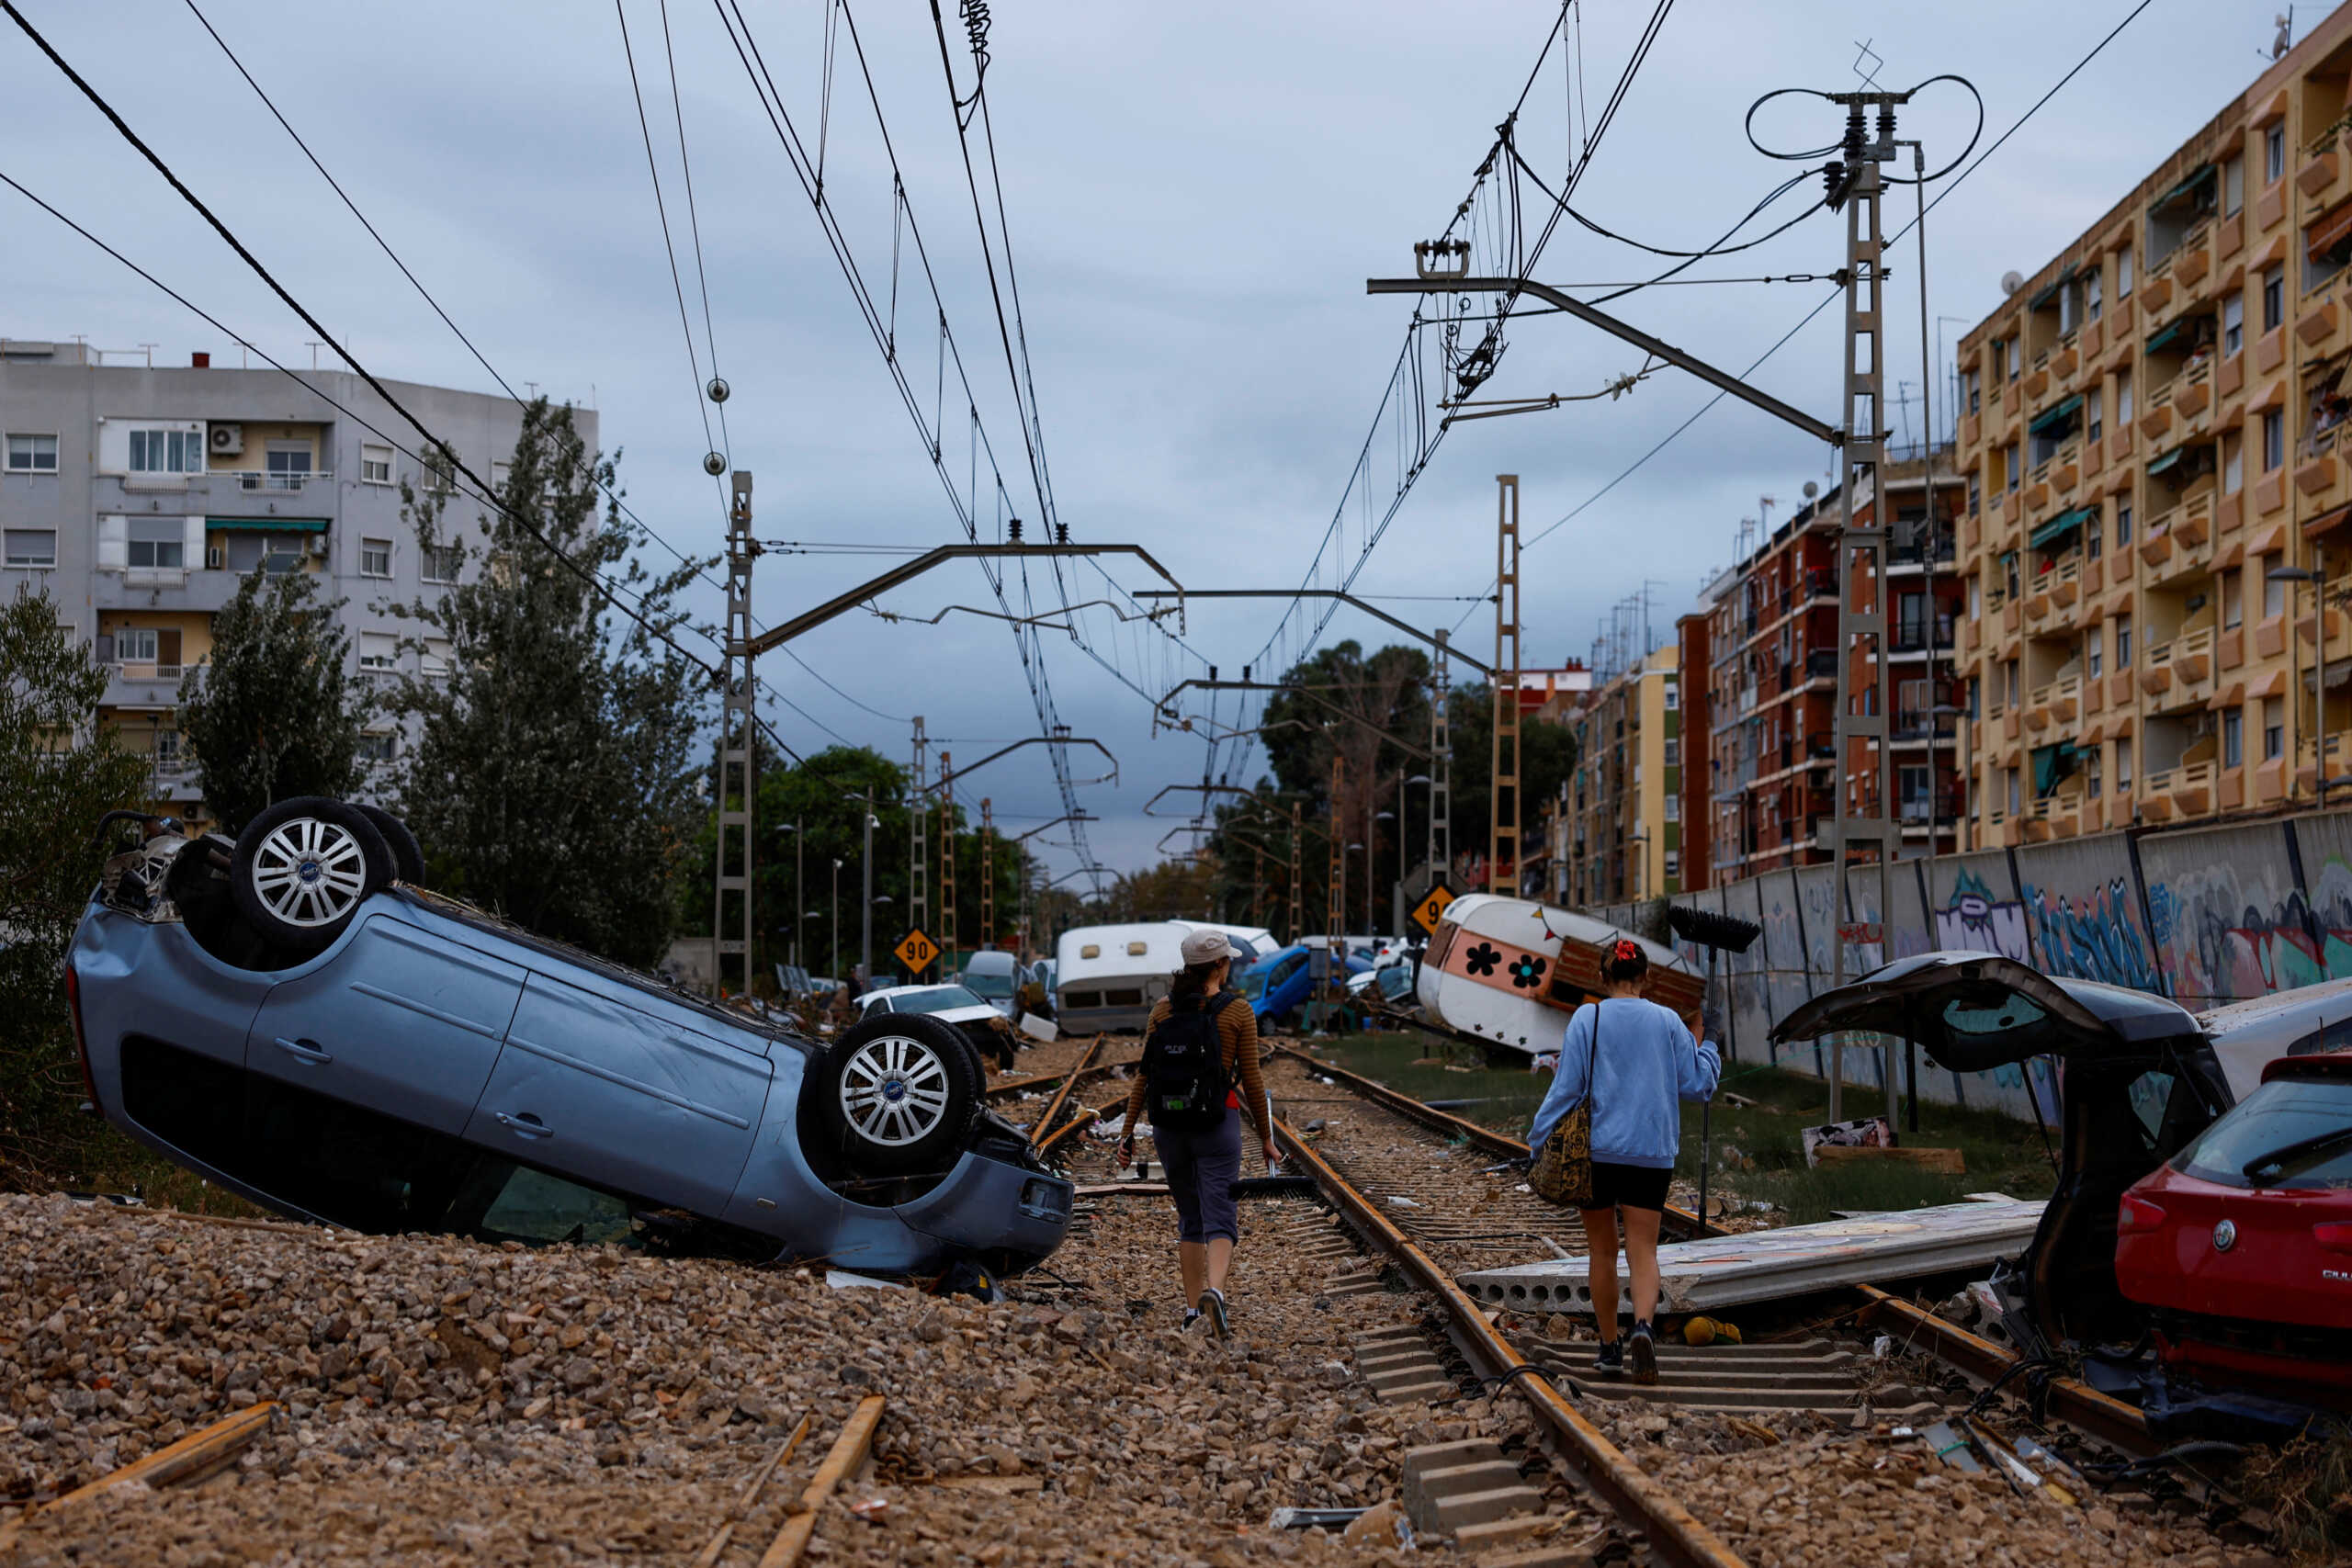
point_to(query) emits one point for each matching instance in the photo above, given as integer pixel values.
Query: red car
(2240, 1244)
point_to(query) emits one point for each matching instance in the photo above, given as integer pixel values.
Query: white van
(994, 975)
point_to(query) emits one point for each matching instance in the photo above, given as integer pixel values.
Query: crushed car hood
(1971, 1011)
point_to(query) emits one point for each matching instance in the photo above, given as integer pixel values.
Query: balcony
(230, 491)
(2192, 656)
(2058, 702)
(2180, 792)
(145, 685)
(2339, 753)
(169, 587)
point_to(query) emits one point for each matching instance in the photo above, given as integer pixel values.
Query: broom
(1717, 933)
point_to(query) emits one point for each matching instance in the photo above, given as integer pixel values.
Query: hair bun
(1625, 949)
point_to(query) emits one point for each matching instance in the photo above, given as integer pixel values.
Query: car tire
(303, 868)
(408, 855)
(901, 1091)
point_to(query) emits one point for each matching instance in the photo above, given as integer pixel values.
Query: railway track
(1419, 1194)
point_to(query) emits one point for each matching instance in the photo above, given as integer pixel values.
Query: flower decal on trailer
(1527, 971)
(1481, 960)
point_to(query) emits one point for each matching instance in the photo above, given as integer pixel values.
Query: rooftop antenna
(2285, 40)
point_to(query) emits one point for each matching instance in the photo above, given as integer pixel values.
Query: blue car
(1283, 980)
(288, 1016)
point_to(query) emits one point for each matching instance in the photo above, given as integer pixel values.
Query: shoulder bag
(1562, 1173)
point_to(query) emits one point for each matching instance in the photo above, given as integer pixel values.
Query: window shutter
(168, 645)
(192, 556)
(114, 544)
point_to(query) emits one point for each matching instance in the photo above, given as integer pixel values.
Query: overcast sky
(1196, 194)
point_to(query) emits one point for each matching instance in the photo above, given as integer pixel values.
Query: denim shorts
(1202, 1165)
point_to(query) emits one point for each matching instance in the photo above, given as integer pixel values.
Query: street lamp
(1423, 780)
(1367, 894)
(865, 872)
(2316, 575)
(833, 924)
(1396, 817)
(795, 830)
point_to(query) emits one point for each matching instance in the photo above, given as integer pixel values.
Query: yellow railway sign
(916, 952)
(1428, 911)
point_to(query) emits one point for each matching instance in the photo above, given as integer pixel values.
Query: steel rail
(1680, 1221)
(1054, 1140)
(2072, 1401)
(1673, 1533)
(1054, 1106)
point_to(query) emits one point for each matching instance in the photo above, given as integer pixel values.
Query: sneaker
(1641, 1354)
(1611, 1362)
(1213, 1307)
(1191, 1319)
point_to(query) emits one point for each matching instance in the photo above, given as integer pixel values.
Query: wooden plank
(751, 1495)
(198, 1453)
(848, 1452)
(1945, 1162)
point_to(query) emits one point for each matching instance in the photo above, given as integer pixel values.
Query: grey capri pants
(1202, 1165)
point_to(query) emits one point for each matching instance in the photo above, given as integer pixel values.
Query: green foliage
(271, 713)
(556, 775)
(55, 778)
(809, 815)
(1547, 755)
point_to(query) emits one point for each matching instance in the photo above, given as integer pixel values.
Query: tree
(56, 777)
(271, 713)
(1547, 755)
(556, 772)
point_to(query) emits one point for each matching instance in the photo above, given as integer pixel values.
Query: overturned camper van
(1506, 973)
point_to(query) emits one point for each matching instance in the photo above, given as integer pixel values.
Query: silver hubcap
(894, 1090)
(310, 872)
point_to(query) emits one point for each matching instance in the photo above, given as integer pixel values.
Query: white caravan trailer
(1106, 977)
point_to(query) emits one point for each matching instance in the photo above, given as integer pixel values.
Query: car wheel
(903, 1090)
(408, 855)
(301, 869)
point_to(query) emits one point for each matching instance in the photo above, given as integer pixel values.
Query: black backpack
(1185, 1083)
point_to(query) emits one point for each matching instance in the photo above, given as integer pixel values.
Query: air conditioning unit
(225, 440)
(319, 546)
(213, 559)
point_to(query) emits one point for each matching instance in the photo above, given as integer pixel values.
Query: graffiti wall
(2207, 916)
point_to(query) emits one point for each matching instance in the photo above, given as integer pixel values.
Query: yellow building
(1618, 834)
(2149, 427)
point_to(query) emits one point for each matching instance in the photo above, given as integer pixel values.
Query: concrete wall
(2207, 916)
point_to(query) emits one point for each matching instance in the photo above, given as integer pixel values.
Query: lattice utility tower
(737, 767)
(946, 869)
(1502, 846)
(918, 844)
(1297, 887)
(1335, 889)
(988, 874)
(1442, 774)
(1863, 821)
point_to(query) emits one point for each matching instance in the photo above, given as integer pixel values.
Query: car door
(399, 1020)
(623, 1095)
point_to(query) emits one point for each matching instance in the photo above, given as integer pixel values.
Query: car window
(1287, 967)
(937, 999)
(532, 1206)
(995, 988)
(2273, 1120)
(879, 1004)
(2336, 1036)
(1996, 1015)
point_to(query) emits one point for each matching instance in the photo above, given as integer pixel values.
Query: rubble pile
(588, 1403)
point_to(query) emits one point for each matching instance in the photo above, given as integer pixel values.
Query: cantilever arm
(906, 571)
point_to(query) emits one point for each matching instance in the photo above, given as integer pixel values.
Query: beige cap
(1207, 947)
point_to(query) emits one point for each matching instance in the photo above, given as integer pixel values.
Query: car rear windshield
(2290, 1133)
(995, 987)
(937, 999)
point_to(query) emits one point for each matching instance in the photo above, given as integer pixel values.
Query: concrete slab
(1718, 1272)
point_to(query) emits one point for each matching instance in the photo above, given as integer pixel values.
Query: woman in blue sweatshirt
(1644, 1062)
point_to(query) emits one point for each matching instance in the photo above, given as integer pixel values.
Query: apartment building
(137, 496)
(1617, 832)
(2150, 426)
(1762, 651)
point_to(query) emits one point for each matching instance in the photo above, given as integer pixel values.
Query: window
(2123, 399)
(436, 658)
(32, 454)
(2094, 540)
(2274, 440)
(288, 466)
(2232, 463)
(271, 553)
(375, 464)
(1976, 494)
(2095, 651)
(2094, 413)
(2094, 781)
(2013, 461)
(441, 563)
(1673, 701)
(2233, 601)
(2124, 273)
(1673, 809)
(374, 558)
(2011, 775)
(2274, 151)
(2009, 684)
(2233, 185)
(378, 746)
(2092, 287)
(135, 645)
(1673, 751)
(2123, 765)
(2015, 348)
(2009, 569)
(166, 451)
(379, 650)
(159, 542)
(2274, 298)
(30, 547)
(498, 480)
(1972, 384)
(2233, 737)
(2274, 728)
(2123, 524)
(2274, 592)
(2233, 324)
(1674, 862)
(2123, 642)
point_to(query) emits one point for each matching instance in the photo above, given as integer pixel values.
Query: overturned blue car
(288, 1015)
